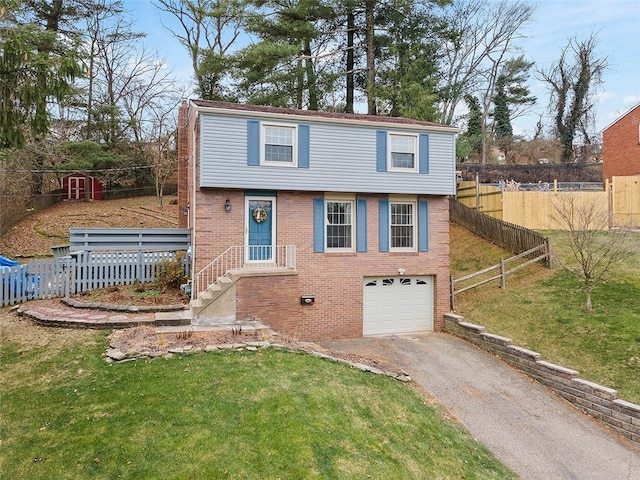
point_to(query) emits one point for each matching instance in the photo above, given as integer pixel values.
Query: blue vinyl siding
(383, 230)
(423, 227)
(361, 227)
(303, 146)
(318, 225)
(253, 142)
(381, 151)
(341, 158)
(423, 153)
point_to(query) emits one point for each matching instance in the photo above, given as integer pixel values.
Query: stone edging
(114, 355)
(593, 399)
(111, 307)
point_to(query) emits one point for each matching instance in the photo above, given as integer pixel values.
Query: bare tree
(208, 30)
(572, 82)
(593, 248)
(476, 37)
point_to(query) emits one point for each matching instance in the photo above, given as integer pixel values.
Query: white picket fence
(79, 272)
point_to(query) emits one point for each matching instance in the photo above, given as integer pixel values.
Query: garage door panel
(394, 305)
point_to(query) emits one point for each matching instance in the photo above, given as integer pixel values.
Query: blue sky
(615, 22)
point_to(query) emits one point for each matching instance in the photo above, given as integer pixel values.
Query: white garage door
(397, 305)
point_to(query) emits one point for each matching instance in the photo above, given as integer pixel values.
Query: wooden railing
(241, 257)
(538, 254)
(511, 237)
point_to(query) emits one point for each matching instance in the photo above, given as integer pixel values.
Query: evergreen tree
(407, 62)
(36, 65)
(501, 116)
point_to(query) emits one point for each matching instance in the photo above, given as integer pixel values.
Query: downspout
(192, 210)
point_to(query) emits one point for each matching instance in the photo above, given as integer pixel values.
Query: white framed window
(402, 225)
(279, 145)
(339, 224)
(403, 152)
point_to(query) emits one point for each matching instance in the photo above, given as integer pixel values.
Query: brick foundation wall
(334, 279)
(273, 299)
(595, 400)
(621, 146)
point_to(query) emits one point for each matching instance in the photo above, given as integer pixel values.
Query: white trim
(294, 144)
(247, 199)
(397, 199)
(416, 152)
(338, 198)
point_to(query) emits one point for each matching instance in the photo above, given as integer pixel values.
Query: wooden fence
(535, 209)
(483, 198)
(513, 238)
(138, 239)
(80, 272)
(536, 254)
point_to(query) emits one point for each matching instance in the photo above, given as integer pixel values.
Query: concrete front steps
(217, 304)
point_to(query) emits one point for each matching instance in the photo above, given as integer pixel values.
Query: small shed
(76, 185)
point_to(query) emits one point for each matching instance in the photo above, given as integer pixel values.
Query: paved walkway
(56, 313)
(534, 432)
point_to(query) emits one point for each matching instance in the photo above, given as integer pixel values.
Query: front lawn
(543, 310)
(66, 413)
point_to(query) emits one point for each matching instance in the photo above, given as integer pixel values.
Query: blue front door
(260, 239)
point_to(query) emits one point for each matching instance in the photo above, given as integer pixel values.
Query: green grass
(237, 415)
(543, 310)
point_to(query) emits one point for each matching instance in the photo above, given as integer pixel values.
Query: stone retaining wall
(595, 400)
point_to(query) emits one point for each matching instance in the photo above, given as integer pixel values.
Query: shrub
(170, 273)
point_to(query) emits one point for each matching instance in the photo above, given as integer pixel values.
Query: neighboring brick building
(621, 146)
(321, 225)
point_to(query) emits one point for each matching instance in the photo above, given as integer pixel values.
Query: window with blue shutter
(383, 230)
(361, 225)
(274, 144)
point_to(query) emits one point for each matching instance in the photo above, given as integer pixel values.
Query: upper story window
(402, 223)
(402, 152)
(279, 145)
(339, 227)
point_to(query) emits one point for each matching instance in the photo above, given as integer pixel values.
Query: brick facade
(334, 279)
(621, 146)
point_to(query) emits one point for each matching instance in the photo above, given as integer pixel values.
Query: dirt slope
(35, 235)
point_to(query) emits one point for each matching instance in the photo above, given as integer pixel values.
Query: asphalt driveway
(534, 432)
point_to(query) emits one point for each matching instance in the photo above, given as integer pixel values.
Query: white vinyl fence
(79, 272)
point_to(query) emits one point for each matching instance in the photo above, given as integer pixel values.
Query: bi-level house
(321, 225)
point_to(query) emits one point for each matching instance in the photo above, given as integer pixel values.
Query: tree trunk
(311, 77)
(371, 52)
(588, 304)
(348, 108)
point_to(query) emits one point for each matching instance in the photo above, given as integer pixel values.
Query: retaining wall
(595, 400)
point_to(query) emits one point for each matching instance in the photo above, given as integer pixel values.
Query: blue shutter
(361, 227)
(423, 149)
(381, 151)
(253, 142)
(423, 227)
(303, 146)
(318, 225)
(383, 233)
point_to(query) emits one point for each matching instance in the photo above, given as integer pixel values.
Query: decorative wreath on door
(259, 214)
